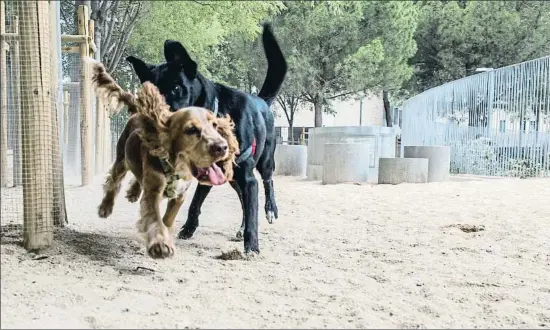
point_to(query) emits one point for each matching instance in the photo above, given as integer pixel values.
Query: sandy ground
(344, 256)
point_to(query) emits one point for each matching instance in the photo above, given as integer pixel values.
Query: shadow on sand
(95, 246)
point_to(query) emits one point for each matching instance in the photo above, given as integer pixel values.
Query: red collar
(253, 147)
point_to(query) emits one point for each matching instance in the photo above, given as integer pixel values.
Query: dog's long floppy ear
(175, 54)
(155, 115)
(142, 69)
(226, 128)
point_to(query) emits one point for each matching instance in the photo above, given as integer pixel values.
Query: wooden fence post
(85, 104)
(66, 104)
(4, 99)
(99, 117)
(107, 160)
(58, 186)
(15, 78)
(36, 135)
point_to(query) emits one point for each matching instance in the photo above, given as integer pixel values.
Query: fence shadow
(95, 246)
(11, 234)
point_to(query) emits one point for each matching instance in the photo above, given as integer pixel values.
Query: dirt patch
(468, 228)
(234, 254)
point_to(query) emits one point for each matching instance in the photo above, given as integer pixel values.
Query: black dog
(182, 85)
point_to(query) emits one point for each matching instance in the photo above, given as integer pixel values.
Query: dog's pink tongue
(215, 175)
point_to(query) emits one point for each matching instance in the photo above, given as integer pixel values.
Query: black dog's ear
(142, 69)
(175, 53)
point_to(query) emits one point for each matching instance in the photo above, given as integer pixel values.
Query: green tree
(453, 39)
(347, 47)
(456, 38)
(291, 98)
(199, 25)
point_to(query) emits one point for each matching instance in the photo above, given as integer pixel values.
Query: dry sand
(344, 256)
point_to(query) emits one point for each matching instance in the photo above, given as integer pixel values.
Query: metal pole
(491, 96)
(361, 112)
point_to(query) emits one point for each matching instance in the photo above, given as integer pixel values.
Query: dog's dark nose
(218, 149)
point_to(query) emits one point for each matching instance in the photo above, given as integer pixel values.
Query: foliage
(473, 156)
(526, 168)
(479, 157)
(342, 48)
(114, 24)
(453, 39)
(198, 25)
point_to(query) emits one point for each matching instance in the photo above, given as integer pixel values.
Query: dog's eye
(176, 90)
(215, 125)
(193, 131)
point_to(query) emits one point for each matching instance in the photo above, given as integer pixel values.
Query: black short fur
(182, 85)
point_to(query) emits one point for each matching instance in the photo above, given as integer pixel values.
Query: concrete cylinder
(346, 162)
(439, 158)
(290, 160)
(401, 170)
(381, 138)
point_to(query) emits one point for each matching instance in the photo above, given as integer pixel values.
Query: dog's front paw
(251, 255)
(134, 192)
(270, 216)
(239, 236)
(132, 198)
(186, 233)
(132, 195)
(251, 245)
(271, 211)
(105, 209)
(160, 244)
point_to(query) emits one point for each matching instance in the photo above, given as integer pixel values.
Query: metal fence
(496, 123)
(118, 122)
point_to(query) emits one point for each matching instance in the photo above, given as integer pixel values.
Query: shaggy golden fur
(189, 141)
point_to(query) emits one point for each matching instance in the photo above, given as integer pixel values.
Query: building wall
(347, 114)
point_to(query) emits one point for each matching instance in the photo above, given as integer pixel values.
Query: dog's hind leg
(134, 191)
(266, 167)
(192, 222)
(240, 232)
(111, 187)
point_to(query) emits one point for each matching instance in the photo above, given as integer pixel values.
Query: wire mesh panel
(117, 124)
(32, 171)
(83, 154)
(497, 122)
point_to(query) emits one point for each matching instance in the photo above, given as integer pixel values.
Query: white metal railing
(496, 122)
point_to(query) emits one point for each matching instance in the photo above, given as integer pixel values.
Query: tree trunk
(387, 108)
(318, 106)
(290, 134)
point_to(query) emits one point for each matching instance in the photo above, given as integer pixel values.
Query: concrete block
(403, 170)
(314, 172)
(439, 158)
(290, 160)
(346, 162)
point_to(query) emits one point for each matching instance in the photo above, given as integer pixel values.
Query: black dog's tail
(276, 66)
